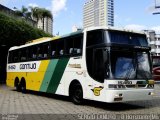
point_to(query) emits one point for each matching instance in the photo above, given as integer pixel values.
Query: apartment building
(98, 13)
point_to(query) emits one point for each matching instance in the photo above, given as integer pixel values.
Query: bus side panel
(53, 76)
(35, 79)
(10, 79)
(11, 76)
(48, 75)
(57, 75)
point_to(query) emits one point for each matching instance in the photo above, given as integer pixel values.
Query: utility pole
(157, 7)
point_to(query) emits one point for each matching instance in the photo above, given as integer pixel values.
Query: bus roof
(114, 28)
(47, 39)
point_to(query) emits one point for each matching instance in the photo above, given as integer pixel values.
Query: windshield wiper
(130, 69)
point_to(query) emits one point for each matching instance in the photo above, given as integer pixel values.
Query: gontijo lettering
(28, 66)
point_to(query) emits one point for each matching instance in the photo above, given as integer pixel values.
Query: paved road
(13, 102)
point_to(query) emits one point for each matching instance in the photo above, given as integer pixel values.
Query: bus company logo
(97, 91)
(28, 66)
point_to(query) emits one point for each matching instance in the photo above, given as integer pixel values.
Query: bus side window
(61, 52)
(69, 46)
(39, 51)
(23, 54)
(60, 47)
(53, 48)
(45, 50)
(78, 45)
(32, 52)
(10, 58)
(53, 53)
(15, 56)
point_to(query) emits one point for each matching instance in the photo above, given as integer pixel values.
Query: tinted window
(10, 59)
(78, 44)
(22, 54)
(94, 37)
(69, 46)
(15, 56)
(53, 48)
(60, 47)
(32, 52)
(73, 45)
(128, 38)
(43, 51)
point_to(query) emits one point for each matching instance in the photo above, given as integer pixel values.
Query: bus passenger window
(53, 53)
(70, 50)
(15, 56)
(45, 51)
(10, 60)
(60, 47)
(34, 56)
(32, 52)
(61, 52)
(69, 46)
(15, 59)
(53, 48)
(78, 51)
(23, 58)
(39, 55)
(45, 55)
(39, 51)
(78, 44)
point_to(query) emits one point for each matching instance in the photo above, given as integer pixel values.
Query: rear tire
(76, 94)
(18, 88)
(23, 86)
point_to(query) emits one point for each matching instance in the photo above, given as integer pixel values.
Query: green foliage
(16, 32)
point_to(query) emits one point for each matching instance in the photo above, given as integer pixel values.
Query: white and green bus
(97, 63)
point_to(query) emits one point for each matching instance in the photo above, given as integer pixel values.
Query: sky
(129, 14)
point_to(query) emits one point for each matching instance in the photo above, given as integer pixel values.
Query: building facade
(12, 13)
(46, 25)
(98, 13)
(154, 41)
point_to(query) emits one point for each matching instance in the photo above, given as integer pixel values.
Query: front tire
(76, 94)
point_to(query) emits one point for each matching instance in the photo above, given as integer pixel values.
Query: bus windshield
(130, 65)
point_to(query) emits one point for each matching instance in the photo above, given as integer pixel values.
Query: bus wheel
(23, 86)
(23, 89)
(16, 84)
(76, 94)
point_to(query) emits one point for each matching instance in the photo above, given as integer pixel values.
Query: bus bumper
(129, 95)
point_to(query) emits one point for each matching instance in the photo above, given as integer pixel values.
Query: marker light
(151, 82)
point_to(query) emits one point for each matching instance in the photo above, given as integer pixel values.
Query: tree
(40, 14)
(46, 14)
(23, 12)
(35, 13)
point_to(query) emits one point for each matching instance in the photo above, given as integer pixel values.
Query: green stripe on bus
(48, 75)
(57, 75)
